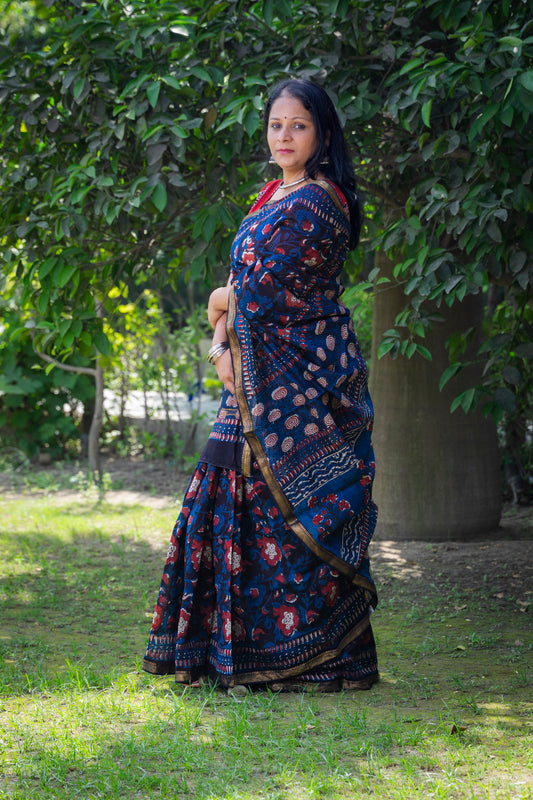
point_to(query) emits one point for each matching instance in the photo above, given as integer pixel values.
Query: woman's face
(291, 135)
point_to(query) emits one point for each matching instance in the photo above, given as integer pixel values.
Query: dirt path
(501, 562)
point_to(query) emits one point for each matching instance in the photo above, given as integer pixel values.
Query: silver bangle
(216, 351)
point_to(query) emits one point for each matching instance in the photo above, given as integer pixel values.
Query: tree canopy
(130, 143)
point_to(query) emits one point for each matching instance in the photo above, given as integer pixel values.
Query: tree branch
(66, 367)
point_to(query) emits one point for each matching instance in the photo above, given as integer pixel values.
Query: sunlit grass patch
(452, 716)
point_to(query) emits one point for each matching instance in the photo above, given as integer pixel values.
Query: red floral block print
(238, 604)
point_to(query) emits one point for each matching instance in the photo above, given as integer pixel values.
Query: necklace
(288, 185)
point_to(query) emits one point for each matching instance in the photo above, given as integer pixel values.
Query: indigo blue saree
(267, 580)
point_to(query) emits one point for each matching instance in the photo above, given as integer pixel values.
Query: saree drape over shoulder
(267, 580)
(301, 381)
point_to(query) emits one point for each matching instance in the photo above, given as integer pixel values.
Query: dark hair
(331, 143)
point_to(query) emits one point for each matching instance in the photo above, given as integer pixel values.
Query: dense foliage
(131, 141)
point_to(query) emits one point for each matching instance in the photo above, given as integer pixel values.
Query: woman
(267, 579)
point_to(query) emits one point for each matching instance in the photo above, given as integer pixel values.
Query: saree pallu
(267, 579)
(301, 381)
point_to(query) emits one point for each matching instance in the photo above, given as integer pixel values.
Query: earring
(325, 161)
(272, 160)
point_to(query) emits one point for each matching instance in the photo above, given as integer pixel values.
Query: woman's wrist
(216, 351)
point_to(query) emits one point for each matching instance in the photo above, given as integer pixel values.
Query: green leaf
(524, 350)
(511, 41)
(202, 73)
(268, 11)
(416, 62)
(173, 82)
(209, 227)
(79, 86)
(181, 133)
(426, 113)
(517, 260)
(506, 398)
(47, 266)
(424, 352)
(481, 120)
(152, 92)
(452, 282)
(159, 197)
(387, 346)
(66, 274)
(465, 400)
(42, 302)
(101, 343)
(511, 375)
(251, 121)
(449, 373)
(526, 80)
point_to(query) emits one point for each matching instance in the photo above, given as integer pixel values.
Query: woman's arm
(218, 305)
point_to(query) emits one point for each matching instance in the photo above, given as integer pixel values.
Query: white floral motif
(271, 551)
(298, 400)
(311, 429)
(274, 415)
(171, 550)
(271, 440)
(287, 444)
(321, 353)
(288, 619)
(330, 342)
(258, 410)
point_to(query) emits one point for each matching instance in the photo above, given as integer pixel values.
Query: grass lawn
(452, 716)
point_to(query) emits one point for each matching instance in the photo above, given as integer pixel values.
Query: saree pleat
(242, 600)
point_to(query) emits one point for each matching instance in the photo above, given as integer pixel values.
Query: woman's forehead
(288, 107)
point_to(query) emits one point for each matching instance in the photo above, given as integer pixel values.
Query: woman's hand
(224, 368)
(218, 305)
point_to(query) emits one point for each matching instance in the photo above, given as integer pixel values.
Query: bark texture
(438, 474)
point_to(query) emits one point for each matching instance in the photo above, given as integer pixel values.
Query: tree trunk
(437, 473)
(96, 424)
